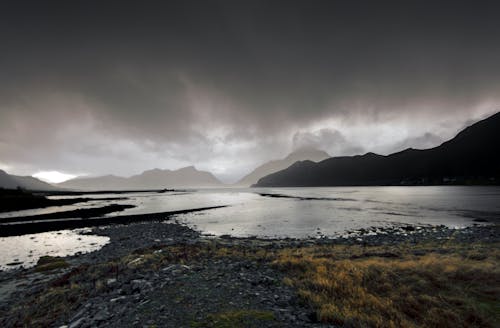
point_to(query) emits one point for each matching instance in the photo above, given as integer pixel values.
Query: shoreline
(148, 272)
(16, 227)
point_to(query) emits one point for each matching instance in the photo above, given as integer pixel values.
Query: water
(295, 212)
(24, 251)
(333, 211)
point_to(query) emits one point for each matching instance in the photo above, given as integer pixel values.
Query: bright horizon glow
(4, 167)
(53, 176)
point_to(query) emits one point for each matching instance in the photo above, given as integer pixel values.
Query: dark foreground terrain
(167, 275)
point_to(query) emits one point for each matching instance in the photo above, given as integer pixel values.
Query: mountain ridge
(279, 164)
(150, 179)
(468, 158)
(9, 181)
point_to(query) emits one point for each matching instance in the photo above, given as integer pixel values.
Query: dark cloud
(181, 82)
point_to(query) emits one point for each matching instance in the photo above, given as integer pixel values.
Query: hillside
(151, 179)
(277, 165)
(471, 157)
(8, 181)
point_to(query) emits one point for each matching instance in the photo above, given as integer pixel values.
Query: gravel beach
(188, 291)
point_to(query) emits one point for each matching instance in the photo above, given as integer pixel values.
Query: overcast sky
(98, 87)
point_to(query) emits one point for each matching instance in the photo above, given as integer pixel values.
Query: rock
(77, 323)
(111, 282)
(126, 289)
(117, 299)
(170, 267)
(101, 316)
(139, 285)
(78, 314)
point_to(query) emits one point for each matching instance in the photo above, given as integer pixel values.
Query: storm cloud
(94, 87)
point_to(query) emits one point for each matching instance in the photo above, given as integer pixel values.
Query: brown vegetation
(49, 263)
(404, 286)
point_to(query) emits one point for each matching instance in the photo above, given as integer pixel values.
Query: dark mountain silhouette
(472, 157)
(151, 179)
(8, 181)
(280, 164)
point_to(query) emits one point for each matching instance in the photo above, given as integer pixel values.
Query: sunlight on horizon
(53, 176)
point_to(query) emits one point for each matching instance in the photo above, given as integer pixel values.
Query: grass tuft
(49, 263)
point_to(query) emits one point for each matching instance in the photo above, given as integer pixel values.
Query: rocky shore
(158, 274)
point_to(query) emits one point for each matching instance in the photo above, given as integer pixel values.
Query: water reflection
(24, 251)
(352, 208)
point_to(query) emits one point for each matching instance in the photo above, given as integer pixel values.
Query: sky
(100, 87)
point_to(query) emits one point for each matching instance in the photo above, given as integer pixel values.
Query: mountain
(8, 181)
(277, 165)
(151, 179)
(184, 177)
(472, 157)
(106, 182)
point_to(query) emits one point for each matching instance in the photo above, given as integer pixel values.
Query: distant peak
(306, 149)
(305, 162)
(371, 154)
(154, 170)
(310, 153)
(188, 168)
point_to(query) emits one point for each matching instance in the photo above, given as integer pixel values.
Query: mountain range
(301, 154)
(151, 179)
(160, 179)
(9, 181)
(472, 157)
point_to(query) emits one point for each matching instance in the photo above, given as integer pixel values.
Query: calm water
(297, 212)
(333, 211)
(26, 250)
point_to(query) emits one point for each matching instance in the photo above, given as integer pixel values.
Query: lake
(275, 213)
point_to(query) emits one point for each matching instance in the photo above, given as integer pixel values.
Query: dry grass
(49, 263)
(446, 286)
